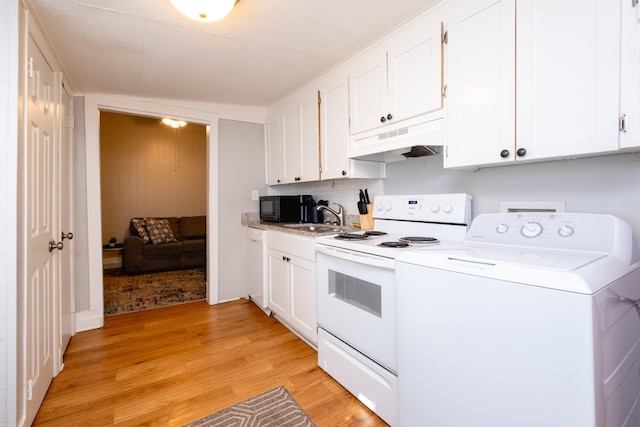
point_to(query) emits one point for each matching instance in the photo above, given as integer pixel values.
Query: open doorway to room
(153, 206)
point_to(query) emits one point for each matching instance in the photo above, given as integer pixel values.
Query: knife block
(366, 220)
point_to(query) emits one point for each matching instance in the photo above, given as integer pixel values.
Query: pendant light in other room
(176, 124)
(205, 10)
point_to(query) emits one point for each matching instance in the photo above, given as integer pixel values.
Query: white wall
(8, 208)
(603, 184)
(241, 170)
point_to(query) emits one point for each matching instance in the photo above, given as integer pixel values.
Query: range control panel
(551, 230)
(444, 208)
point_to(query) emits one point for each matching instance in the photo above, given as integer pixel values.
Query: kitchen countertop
(252, 219)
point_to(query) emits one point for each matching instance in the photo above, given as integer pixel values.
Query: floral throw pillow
(159, 230)
(141, 227)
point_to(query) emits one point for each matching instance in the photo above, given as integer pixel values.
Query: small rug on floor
(123, 293)
(274, 408)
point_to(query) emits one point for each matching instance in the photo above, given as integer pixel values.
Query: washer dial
(565, 231)
(531, 229)
(502, 228)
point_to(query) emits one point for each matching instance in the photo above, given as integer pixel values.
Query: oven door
(356, 301)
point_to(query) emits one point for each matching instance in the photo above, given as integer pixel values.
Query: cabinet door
(274, 151)
(415, 69)
(368, 90)
(292, 153)
(303, 297)
(480, 119)
(630, 75)
(308, 113)
(334, 125)
(568, 56)
(278, 268)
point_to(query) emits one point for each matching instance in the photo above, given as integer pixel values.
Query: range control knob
(447, 207)
(565, 231)
(502, 228)
(379, 206)
(435, 207)
(531, 229)
(387, 207)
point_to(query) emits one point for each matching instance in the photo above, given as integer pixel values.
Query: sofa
(160, 244)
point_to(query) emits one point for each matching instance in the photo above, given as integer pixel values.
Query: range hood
(400, 143)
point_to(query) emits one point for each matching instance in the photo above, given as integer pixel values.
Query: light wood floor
(173, 365)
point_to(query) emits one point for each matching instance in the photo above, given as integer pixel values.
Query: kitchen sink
(315, 228)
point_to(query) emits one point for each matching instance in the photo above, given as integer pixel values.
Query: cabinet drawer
(301, 246)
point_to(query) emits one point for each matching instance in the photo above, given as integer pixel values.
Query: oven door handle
(358, 257)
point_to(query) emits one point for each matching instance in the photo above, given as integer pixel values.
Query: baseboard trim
(87, 320)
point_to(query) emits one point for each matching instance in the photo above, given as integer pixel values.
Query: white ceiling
(263, 50)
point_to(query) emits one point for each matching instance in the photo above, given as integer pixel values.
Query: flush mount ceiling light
(205, 10)
(174, 123)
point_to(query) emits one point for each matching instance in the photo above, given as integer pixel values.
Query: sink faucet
(340, 214)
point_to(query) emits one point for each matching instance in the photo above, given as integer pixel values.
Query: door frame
(94, 103)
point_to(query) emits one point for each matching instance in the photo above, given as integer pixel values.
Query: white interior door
(40, 269)
(67, 276)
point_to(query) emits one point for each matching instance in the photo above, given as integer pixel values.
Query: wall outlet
(254, 195)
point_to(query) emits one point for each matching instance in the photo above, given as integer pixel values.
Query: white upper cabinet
(480, 120)
(630, 76)
(291, 142)
(568, 77)
(548, 90)
(309, 135)
(292, 139)
(273, 137)
(397, 79)
(334, 124)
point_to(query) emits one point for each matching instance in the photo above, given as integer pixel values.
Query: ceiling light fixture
(174, 123)
(205, 10)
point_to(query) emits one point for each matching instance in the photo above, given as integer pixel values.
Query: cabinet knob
(504, 154)
(521, 152)
(389, 116)
(277, 180)
(383, 119)
(344, 173)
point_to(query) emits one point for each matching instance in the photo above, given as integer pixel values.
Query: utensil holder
(366, 220)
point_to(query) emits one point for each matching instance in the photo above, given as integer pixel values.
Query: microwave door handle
(357, 257)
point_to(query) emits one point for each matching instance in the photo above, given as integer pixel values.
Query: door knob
(53, 245)
(67, 236)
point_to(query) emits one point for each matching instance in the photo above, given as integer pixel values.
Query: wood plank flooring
(173, 365)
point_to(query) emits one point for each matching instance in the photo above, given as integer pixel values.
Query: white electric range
(356, 290)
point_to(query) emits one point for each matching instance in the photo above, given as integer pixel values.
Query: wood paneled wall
(149, 169)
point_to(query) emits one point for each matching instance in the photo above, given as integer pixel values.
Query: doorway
(90, 300)
(150, 169)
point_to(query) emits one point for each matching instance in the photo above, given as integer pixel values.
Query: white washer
(534, 321)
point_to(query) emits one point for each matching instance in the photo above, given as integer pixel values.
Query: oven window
(359, 293)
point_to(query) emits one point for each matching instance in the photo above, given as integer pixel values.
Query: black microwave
(284, 208)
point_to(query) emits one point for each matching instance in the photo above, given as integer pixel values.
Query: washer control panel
(550, 230)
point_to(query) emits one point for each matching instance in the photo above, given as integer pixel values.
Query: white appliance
(256, 258)
(534, 321)
(356, 291)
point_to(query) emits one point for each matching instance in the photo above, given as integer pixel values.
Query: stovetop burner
(393, 244)
(374, 233)
(419, 240)
(351, 236)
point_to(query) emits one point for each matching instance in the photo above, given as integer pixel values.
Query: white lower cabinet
(292, 282)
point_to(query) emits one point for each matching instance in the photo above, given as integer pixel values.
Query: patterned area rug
(274, 408)
(124, 293)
